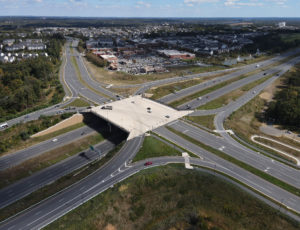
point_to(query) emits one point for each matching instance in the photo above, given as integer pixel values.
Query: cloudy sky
(152, 8)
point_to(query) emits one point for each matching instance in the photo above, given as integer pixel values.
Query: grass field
(155, 148)
(174, 198)
(207, 121)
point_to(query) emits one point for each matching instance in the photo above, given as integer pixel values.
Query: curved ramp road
(24, 187)
(58, 205)
(221, 116)
(237, 84)
(18, 157)
(248, 156)
(270, 190)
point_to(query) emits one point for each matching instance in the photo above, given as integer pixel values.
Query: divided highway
(56, 206)
(237, 84)
(18, 157)
(24, 187)
(248, 156)
(119, 167)
(266, 188)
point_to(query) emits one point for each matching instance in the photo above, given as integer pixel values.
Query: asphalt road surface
(18, 157)
(57, 205)
(257, 183)
(237, 84)
(274, 168)
(24, 187)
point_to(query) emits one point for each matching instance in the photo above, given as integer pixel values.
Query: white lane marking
(185, 131)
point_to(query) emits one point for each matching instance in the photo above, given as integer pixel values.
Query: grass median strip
(78, 103)
(75, 64)
(225, 83)
(164, 90)
(47, 159)
(232, 96)
(207, 90)
(56, 187)
(206, 121)
(155, 148)
(241, 164)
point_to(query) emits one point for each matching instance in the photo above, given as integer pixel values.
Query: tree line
(28, 82)
(285, 109)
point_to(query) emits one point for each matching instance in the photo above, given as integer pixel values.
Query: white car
(54, 140)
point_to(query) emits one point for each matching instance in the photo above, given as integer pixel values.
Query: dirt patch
(266, 96)
(148, 95)
(123, 188)
(75, 119)
(110, 227)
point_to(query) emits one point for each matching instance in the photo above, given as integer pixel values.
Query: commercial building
(175, 54)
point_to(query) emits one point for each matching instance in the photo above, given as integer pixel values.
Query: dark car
(148, 163)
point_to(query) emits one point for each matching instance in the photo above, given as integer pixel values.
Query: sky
(151, 8)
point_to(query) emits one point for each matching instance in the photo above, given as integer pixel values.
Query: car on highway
(254, 92)
(54, 140)
(3, 126)
(199, 98)
(148, 163)
(265, 73)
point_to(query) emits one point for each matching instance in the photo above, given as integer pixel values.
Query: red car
(148, 163)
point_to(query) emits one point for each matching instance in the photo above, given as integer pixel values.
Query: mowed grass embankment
(171, 197)
(206, 121)
(152, 147)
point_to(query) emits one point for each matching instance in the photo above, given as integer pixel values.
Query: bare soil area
(75, 119)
